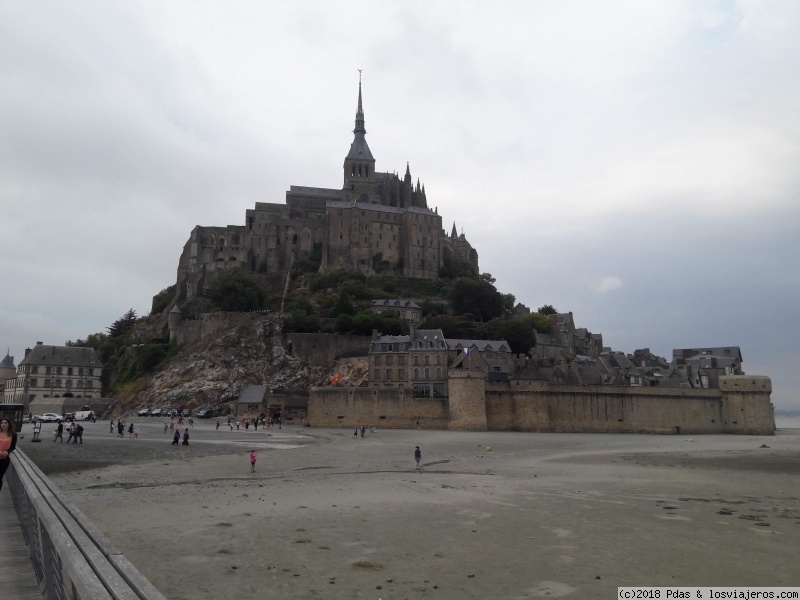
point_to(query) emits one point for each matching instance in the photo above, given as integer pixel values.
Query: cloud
(608, 284)
(656, 141)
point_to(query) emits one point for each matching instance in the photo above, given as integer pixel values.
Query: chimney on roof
(375, 334)
(27, 351)
(39, 343)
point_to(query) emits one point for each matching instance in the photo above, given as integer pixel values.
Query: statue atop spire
(360, 111)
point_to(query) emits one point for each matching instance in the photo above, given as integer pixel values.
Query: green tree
(123, 325)
(301, 322)
(509, 301)
(162, 299)
(519, 335)
(477, 297)
(93, 340)
(454, 267)
(234, 290)
(538, 322)
(451, 326)
(547, 309)
(343, 306)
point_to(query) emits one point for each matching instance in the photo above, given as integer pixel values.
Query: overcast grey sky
(633, 162)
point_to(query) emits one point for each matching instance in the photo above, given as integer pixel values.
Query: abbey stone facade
(376, 219)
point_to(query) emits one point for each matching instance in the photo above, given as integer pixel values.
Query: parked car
(186, 413)
(145, 412)
(156, 412)
(205, 413)
(48, 418)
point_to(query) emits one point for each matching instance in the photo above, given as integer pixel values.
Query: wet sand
(539, 515)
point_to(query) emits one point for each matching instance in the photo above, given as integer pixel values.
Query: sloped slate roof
(481, 345)
(252, 394)
(394, 304)
(62, 355)
(359, 148)
(8, 363)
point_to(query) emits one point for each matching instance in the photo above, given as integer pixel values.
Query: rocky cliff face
(214, 370)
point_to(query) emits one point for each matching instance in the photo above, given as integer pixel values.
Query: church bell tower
(359, 166)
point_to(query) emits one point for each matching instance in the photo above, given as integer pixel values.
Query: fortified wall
(326, 348)
(209, 325)
(741, 405)
(388, 407)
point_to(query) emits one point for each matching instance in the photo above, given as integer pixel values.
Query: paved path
(17, 579)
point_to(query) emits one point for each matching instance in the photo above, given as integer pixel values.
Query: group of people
(74, 429)
(176, 437)
(254, 422)
(361, 429)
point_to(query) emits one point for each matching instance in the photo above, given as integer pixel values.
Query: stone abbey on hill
(375, 221)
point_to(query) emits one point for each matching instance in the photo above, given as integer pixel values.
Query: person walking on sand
(185, 437)
(253, 461)
(355, 432)
(130, 430)
(417, 456)
(8, 441)
(70, 430)
(136, 433)
(217, 425)
(77, 433)
(112, 427)
(176, 438)
(59, 433)
(363, 430)
(165, 427)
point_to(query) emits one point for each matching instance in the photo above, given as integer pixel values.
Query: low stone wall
(72, 560)
(391, 407)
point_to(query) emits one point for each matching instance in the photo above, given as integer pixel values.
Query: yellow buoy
(488, 449)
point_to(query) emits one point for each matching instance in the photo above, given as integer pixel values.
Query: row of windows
(425, 373)
(401, 359)
(57, 383)
(34, 369)
(361, 171)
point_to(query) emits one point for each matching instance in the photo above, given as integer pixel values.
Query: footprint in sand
(552, 589)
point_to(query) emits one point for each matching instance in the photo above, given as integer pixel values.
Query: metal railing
(72, 560)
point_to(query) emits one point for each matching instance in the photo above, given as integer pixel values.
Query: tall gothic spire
(360, 111)
(359, 148)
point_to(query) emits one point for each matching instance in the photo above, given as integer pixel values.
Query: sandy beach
(490, 515)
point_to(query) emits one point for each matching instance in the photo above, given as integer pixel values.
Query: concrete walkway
(17, 579)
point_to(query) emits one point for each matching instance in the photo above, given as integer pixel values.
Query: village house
(53, 372)
(405, 310)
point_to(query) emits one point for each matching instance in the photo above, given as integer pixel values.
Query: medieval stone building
(376, 220)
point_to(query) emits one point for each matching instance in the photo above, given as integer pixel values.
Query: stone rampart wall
(741, 405)
(390, 407)
(212, 324)
(325, 348)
